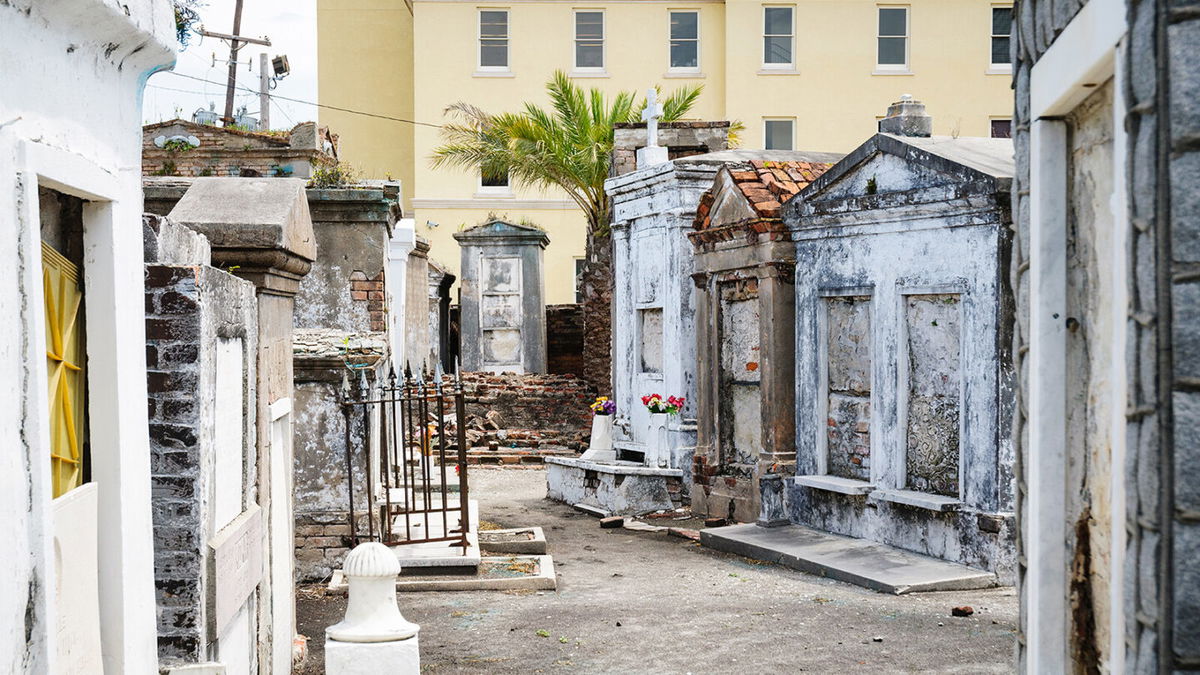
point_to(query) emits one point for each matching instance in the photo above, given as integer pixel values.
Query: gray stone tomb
(903, 364)
(503, 309)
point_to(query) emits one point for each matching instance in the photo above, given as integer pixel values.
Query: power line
(319, 105)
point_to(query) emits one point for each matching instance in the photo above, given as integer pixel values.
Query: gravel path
(645, 602)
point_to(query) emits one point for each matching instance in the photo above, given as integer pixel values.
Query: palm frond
(566, 146)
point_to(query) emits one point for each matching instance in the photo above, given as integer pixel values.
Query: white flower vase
(657, 451)
(600, 447)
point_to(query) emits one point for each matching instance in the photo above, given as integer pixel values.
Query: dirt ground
(633, 602)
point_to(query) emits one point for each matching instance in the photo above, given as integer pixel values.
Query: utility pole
(264, 96)
(236, 42)
(234, 45)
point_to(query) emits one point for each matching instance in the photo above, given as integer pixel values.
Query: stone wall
(345, 288)
(681, 139)
(564, 340)
(232, 152)
(1159, 88)
(201, 341)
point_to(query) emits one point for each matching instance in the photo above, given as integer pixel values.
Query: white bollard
(374, 637)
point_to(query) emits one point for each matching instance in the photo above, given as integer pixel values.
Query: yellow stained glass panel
(64, 364)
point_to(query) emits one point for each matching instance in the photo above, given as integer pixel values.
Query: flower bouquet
(657, 405)
(600, 446)
(604, 406)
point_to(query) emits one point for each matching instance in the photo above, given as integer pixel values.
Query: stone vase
(600, 447)
(658, 453)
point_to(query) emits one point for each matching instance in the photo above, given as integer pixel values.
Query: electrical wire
(301, 101)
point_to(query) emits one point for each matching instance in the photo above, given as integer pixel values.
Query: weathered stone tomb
(745, 340)
(903, 366)
(503, 308)
(653, 340)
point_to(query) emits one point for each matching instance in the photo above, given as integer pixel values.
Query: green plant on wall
(176, 145)
(332, 175)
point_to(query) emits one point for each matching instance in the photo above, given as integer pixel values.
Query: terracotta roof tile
(766, 186)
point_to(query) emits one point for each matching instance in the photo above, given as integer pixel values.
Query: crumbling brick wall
(527, 411)
(564, 339)
(371, 293)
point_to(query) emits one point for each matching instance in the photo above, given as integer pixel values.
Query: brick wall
(681, 139)
(564, 339)
(188, 309)
(231, 152)
(529, 412)
(172, 378)
(371, 293)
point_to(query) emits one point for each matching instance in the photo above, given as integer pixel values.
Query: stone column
(416, 308)
(403, 241)
(261, 230)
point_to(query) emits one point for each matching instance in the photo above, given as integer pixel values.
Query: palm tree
(568, 146)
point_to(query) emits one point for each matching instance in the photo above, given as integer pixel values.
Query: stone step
(866, 563)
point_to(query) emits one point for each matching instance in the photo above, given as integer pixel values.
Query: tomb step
(437, 554)
(494, 573)
(866, 563)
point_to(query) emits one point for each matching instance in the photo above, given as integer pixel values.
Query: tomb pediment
(888, 164)
(493, 229)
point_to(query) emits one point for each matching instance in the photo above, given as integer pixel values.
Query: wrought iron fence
(411, 432)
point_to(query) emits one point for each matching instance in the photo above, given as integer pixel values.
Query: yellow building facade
(806, 75)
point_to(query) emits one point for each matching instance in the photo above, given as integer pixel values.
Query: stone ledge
(869, 564)
(619, 468)
(845, 486)
(920, 500)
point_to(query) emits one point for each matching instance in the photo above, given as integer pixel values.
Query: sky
(291, 26)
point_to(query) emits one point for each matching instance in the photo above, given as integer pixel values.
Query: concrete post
(373, 637)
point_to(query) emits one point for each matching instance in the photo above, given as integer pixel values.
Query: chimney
(906, 117)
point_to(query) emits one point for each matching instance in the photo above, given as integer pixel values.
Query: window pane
(777, 50)
(487, 180)
(684, 26)
(1001, 128)
(891, 51)
(589, 54)
(1002, 20)
(892, 21)
(778, 135)
(589, 25)
(777, 21)
(493, 24)
(1000, 50)
(493, 53)
(683, 54)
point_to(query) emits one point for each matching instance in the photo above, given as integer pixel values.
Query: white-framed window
(779, 133)
(1002, 18)
(685, 40)
(779, 36)
(589, 40)
(493, 40)
(891, 53)
(493, 185)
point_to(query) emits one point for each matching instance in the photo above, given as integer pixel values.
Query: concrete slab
(622, 489)
(857, 561)
(496, 573)
(525, 540)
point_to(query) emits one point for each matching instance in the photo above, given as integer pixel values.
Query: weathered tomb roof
(754, 190)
